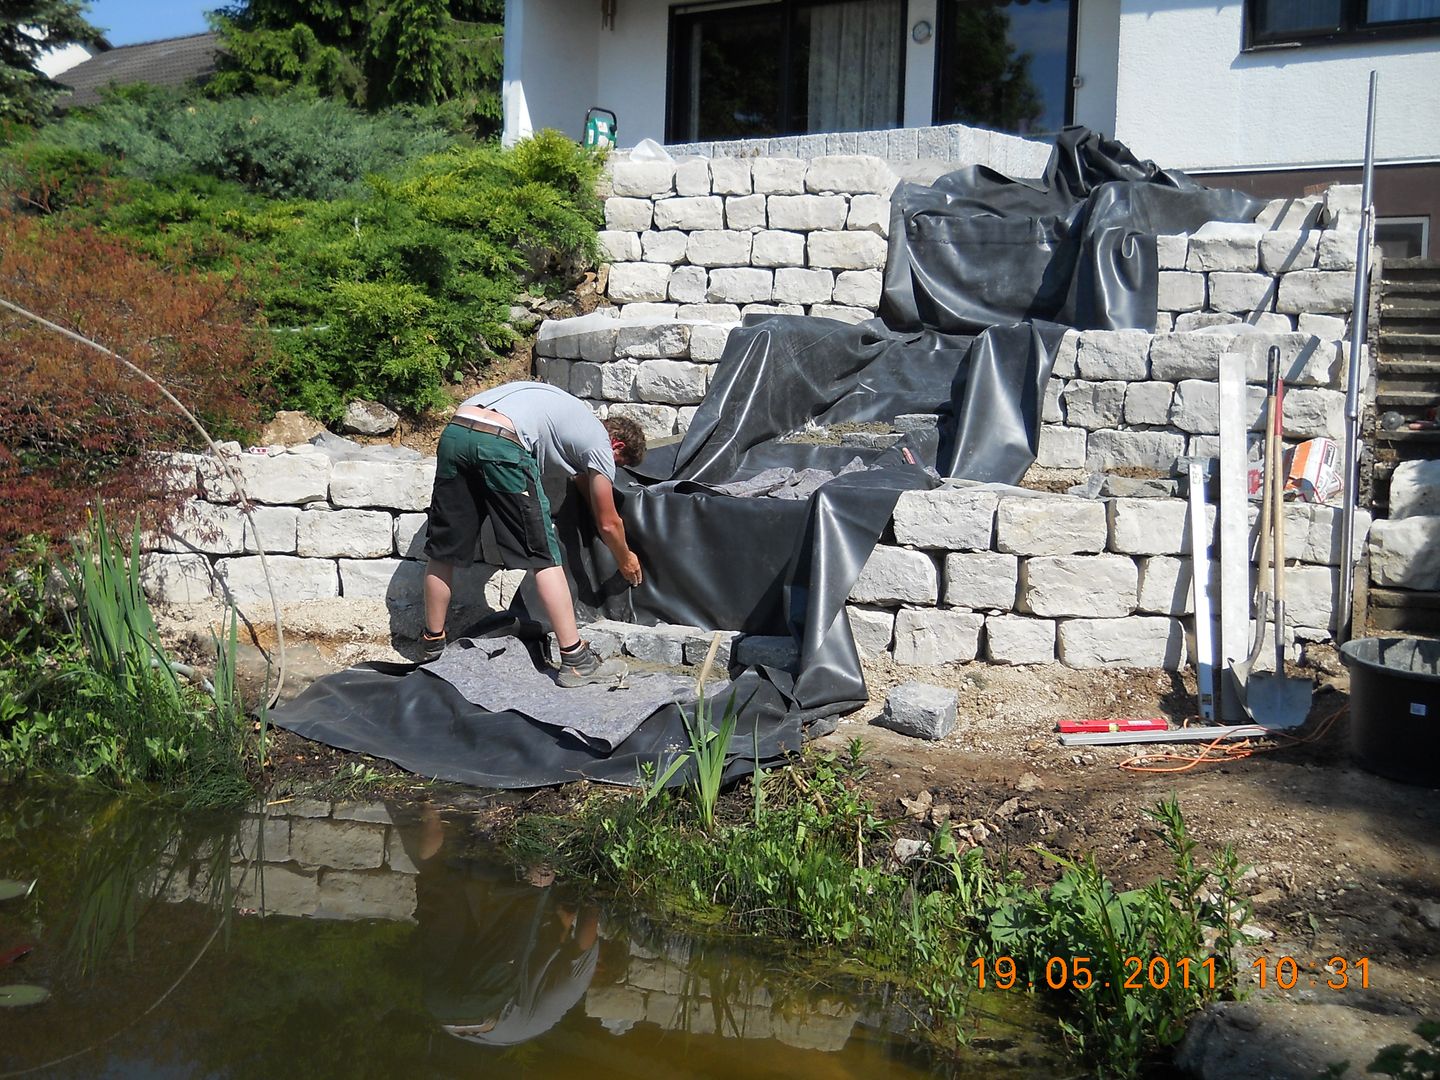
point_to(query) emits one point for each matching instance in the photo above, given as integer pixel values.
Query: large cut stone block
(585, 337)
(639, 282)
(871, 213)
(1197, 407)
(642, 179)
(1415, 489)
(1148, 403)
(688, 215)
(1149, 526)
(692, 176)
(1305, 360)
(671, 382)
(271, 529)
(652, 340)
(779, 175)
(920, 710)
(281, 479)
(206, 528)
(719, 248)
(689, 284)
(1050, 525)
(664, 644)
(1017, 639)
(859, 288)
(729, 314)
(1316, 292)
(1114, 354)
(841, 313)
(350, 534)
(176, 579)
(1141, 641)
(851, 174)
(1066, 354)
(956, 519)
(745, 212)
(347, 845)
(1314, 533)
(398, 581)
(1243, 293)
(398, 485)
(846, 250)
(893, 575)
(981, 580)
(656, 421)
(1311, 413)
(1106, 450)
(1310, 596)
(1405, 554)
(410, 533)
(1337, 251)
(629, 215)
(1099, 586)
(1187, 356)
(1180, 291)
(741, 285)
(796, 286)
(1061, 447)
(664, 247)
(707, 342)
(778, 249)
(617, 246)
(760, 651)
(1171, 251)
(806, 213)
(872, 628)
(346, 894)
(1165, 586)
(1291, 213)
(1225, 246)
(730, 176)
(243, 579)
(936, 636)
(1093, 405)
(1281, 252)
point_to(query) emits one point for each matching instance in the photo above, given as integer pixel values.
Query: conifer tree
(28, 30)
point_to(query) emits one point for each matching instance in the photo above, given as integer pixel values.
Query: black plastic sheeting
(984, 275)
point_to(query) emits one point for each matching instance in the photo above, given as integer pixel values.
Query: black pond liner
(1395, 707)
(984, 275)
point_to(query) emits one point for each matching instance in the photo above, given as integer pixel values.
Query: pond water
(317, 940)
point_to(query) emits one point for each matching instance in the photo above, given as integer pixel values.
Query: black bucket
(1395, 707)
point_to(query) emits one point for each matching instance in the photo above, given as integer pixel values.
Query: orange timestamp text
(1286, 972)
(1078, 973)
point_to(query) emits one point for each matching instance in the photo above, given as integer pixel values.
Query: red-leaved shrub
(75, 425)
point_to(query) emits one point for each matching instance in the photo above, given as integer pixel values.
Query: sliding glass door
(1005, 64)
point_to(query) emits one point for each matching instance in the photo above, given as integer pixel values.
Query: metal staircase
(1407, 366)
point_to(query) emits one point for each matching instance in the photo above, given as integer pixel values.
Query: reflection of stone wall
(311, 859)
(662, 989)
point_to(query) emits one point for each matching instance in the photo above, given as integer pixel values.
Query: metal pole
(1358, 322)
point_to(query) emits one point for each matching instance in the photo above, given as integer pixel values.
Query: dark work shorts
(479, 475)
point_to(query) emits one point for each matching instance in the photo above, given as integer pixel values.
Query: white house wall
(550, 65)
(1097, 59)
(632, 66)
(1189, 97)
(920, 64)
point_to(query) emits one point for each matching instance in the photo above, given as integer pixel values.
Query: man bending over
(492, 456)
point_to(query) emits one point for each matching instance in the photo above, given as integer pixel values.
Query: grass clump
(805, 856)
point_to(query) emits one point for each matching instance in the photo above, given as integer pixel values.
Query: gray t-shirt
(560, 430)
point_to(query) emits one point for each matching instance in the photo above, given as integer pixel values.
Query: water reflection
(306, 938)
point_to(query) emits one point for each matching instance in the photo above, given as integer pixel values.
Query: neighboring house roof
(171, 62)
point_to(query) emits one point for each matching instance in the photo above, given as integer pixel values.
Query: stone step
(1409, 611)
(1408, 306)
(1411, 367)
(1406, 399)
(1405, 340)
(1418, 443)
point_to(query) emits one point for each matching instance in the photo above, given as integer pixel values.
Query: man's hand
(630, 569)
(600, 494)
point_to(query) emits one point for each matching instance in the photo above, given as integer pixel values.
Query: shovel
(1240, 670)
(1276, 700)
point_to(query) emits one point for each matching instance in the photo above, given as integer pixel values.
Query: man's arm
(600, 494)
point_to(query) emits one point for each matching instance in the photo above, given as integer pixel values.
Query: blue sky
(128, 21)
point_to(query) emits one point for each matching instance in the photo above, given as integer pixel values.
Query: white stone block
(1241, 292)
(553, 372)
(616, 246)
(949, 518)
(778, 249)
(1051, 409)
(397, 485)
(1225, 246)
(586, 379)
(727, 314)
(1310, 596)
(741, 285)
(671, 382)
(1316, 292)
(688, 284)
(845, 250)
(893, 575)
(1405, 554)
(1050, 525)
(931, 636)
(1093, 405)
(629, 215)
(870, 213)
(1343, 199)
(1197, 407)
(1171, 251)
(1305, 360)
(1148, 403)
(639, 282)
(1019, 639)
(617, 380)
(1180, 291)
(730, 176)
(796, 286)
(353, 534)
(1114, 354)
(1189, 321)
(1311, 413)
(1065, 355)
(585, 337)
(1337, 250)
(872, 628)
(656, 421)
(1291, 214)
(663, 247)
(689, 214)
(205, 528)
(1325, 327)
(648, 309)
(243, 578)
(1142, 641)
(642, 179)
(841, 313)
(779, 175)
(1187, 356)
(707, 342)
(1314, 533)
(271, 529)
(397, 581)
(806, 213)
(765, 310)
(1098, 586)
(1271, 322)
(692, 176)
(1149, 526)
(1109, 449)
(683, 418)
(859, 288)
(718, 248)
(1281, 252)
(745, 212)
(282, 479)
(176, 579)
(851, 174)
(410, 533)
(1165, 586)
(981, 580)
(649, 341)
(1415, 489)
(1061, 447)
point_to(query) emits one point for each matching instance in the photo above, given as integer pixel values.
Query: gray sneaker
(585, 668)
(431, 647)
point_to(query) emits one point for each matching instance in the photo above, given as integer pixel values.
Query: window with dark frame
(784, 67)
(1289, 22)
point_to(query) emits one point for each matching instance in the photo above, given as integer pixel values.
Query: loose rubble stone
(983, 580)
(690, 214)
(953, 518)
(920, 710)
(368, 418)
(1015, 639)
(1049, 525)
(1098, 586)
(1141, 641)
(872, 628)
(895, 575)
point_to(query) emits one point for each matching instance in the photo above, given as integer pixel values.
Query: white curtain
(855, 65)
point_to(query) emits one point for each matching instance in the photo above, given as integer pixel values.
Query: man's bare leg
(438, 579)
(559, 608)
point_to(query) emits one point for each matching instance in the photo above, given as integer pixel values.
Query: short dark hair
(629, 433)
